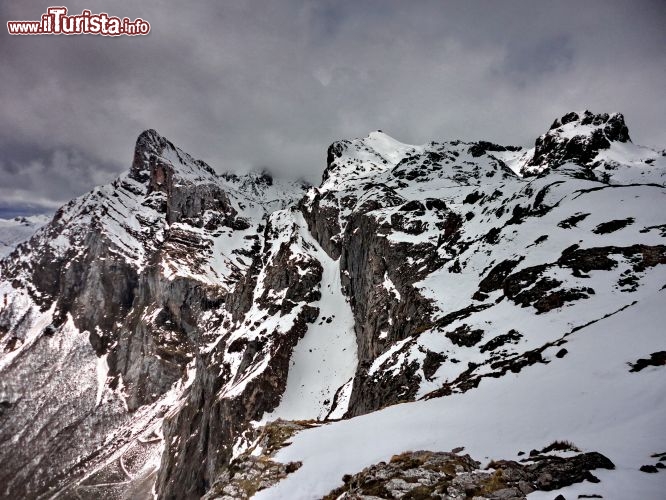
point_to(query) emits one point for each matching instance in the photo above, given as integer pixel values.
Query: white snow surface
(588, 397)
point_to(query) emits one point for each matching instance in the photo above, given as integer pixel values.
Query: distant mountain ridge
(167, 333)
(19, 229)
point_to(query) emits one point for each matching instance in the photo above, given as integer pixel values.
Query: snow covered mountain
(448, 320)
(17, 230)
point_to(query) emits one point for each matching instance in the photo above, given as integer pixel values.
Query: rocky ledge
(450, 475)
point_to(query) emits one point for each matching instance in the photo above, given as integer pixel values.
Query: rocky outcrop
(322, 213)
(577, 138)
(256, 469)
(449, 475)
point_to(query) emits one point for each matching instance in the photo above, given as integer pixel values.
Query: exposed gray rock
(425, 474)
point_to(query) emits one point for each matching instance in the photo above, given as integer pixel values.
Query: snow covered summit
(577, 138)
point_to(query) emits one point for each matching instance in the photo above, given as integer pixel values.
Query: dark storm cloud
(40, 179)
(245, 84)
(546, 56)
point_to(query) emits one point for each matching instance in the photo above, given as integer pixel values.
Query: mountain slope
(158, 326)
(563, 271)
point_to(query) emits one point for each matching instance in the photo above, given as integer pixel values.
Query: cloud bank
(269, 84)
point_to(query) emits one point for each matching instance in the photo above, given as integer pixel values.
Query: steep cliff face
(244, 372)
(103, 259)
(152, 330)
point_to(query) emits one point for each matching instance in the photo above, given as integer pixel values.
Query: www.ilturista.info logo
(56, 22)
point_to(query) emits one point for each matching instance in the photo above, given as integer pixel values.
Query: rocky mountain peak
(149, 143)
(613, 124)
(153, 150)
(350, 160)
(577, 137)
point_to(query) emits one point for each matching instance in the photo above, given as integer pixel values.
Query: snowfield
(588, 397)
(325, 359)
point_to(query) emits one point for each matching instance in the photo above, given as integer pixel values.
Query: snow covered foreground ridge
(171, 333)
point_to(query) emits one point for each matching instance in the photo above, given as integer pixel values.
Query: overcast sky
(246, 84)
